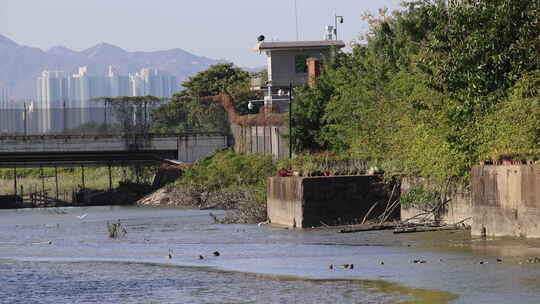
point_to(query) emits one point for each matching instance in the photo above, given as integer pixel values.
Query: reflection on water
(256, 264)
(46, 282)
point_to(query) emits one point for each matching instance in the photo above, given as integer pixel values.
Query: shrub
(228, 168)
(116, 230)
(322, 163)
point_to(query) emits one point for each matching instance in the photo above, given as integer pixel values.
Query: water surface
(257, 264)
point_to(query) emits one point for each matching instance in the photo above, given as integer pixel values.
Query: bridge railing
(64, 120)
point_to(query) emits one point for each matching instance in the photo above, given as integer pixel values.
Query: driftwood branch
(430, 228)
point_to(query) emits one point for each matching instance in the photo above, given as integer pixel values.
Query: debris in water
(42, 243)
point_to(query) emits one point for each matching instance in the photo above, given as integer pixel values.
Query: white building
(52, 92)
(66, 102)
(117, 85)
(52, 89)
(152, 82)
(292, 63)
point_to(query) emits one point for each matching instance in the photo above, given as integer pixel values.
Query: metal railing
(94, 120)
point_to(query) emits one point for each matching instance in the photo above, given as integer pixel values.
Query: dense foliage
(439, 86)
(228, 169)
(188, 111)
(230, 180)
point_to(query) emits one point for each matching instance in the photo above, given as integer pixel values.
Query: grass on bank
(69, 179)
(230, 180)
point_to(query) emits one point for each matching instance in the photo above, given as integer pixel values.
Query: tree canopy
(189, 111)
(439, 86)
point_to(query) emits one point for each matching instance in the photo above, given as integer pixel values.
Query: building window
(300, 64)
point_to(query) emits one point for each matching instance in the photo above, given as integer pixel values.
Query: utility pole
(24, 119)
(296, 18)
(290, 121)
(336, 19)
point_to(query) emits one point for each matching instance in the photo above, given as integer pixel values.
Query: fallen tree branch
(368, 227)
(429, 229)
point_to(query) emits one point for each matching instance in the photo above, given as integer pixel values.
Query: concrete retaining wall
(458, 209)
(193, 148)
(317, 201)
(506, 200)
(261, 139)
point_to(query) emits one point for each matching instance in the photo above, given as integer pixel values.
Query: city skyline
(57, 88)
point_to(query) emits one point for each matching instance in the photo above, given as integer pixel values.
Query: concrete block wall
(261, 139)
(193, 148)
(506, 200)
(317, 201)
(458, 209)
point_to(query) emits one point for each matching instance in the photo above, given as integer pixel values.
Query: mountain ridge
(20, 65)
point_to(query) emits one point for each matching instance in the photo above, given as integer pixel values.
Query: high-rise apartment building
(118, 85)
(65, 102)
(52, 92)
(152, 82)
(52, 89)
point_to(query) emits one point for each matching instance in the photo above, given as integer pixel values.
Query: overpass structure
(98, 150)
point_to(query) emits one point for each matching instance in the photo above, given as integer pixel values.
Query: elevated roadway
(96, 150)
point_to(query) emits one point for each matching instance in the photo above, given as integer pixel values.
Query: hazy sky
(222, 29)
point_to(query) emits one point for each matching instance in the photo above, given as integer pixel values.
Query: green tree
(188, 111)
(433, 89)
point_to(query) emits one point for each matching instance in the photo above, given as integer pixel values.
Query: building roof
(298, 45)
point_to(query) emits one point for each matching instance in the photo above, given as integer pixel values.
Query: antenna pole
(296, 18)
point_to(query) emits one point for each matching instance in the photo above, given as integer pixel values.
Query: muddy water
(81, 264)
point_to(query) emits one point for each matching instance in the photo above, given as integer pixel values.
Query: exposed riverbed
(256, 264)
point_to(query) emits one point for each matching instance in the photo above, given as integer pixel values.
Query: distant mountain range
(20, 65)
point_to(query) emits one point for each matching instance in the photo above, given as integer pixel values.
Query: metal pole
(110, 179)
(24, 118)
(256, 138)
(64, 117)
(15, 179)
(105, 116)
(264, 139)
(290, 121)
(42, 181)
(335, 25)
(56, 180)
(82, 177)
(336, 17)
(296, 18)
(145, 118)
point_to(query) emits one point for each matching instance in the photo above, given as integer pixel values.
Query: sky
(220, 29)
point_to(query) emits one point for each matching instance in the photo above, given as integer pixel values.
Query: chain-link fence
(94, 120)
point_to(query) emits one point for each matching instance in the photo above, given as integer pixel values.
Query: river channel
(64, 255)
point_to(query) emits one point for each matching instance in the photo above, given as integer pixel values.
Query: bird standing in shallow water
(216, 253)
(169, 256)
(331, 267)
(201, 257)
